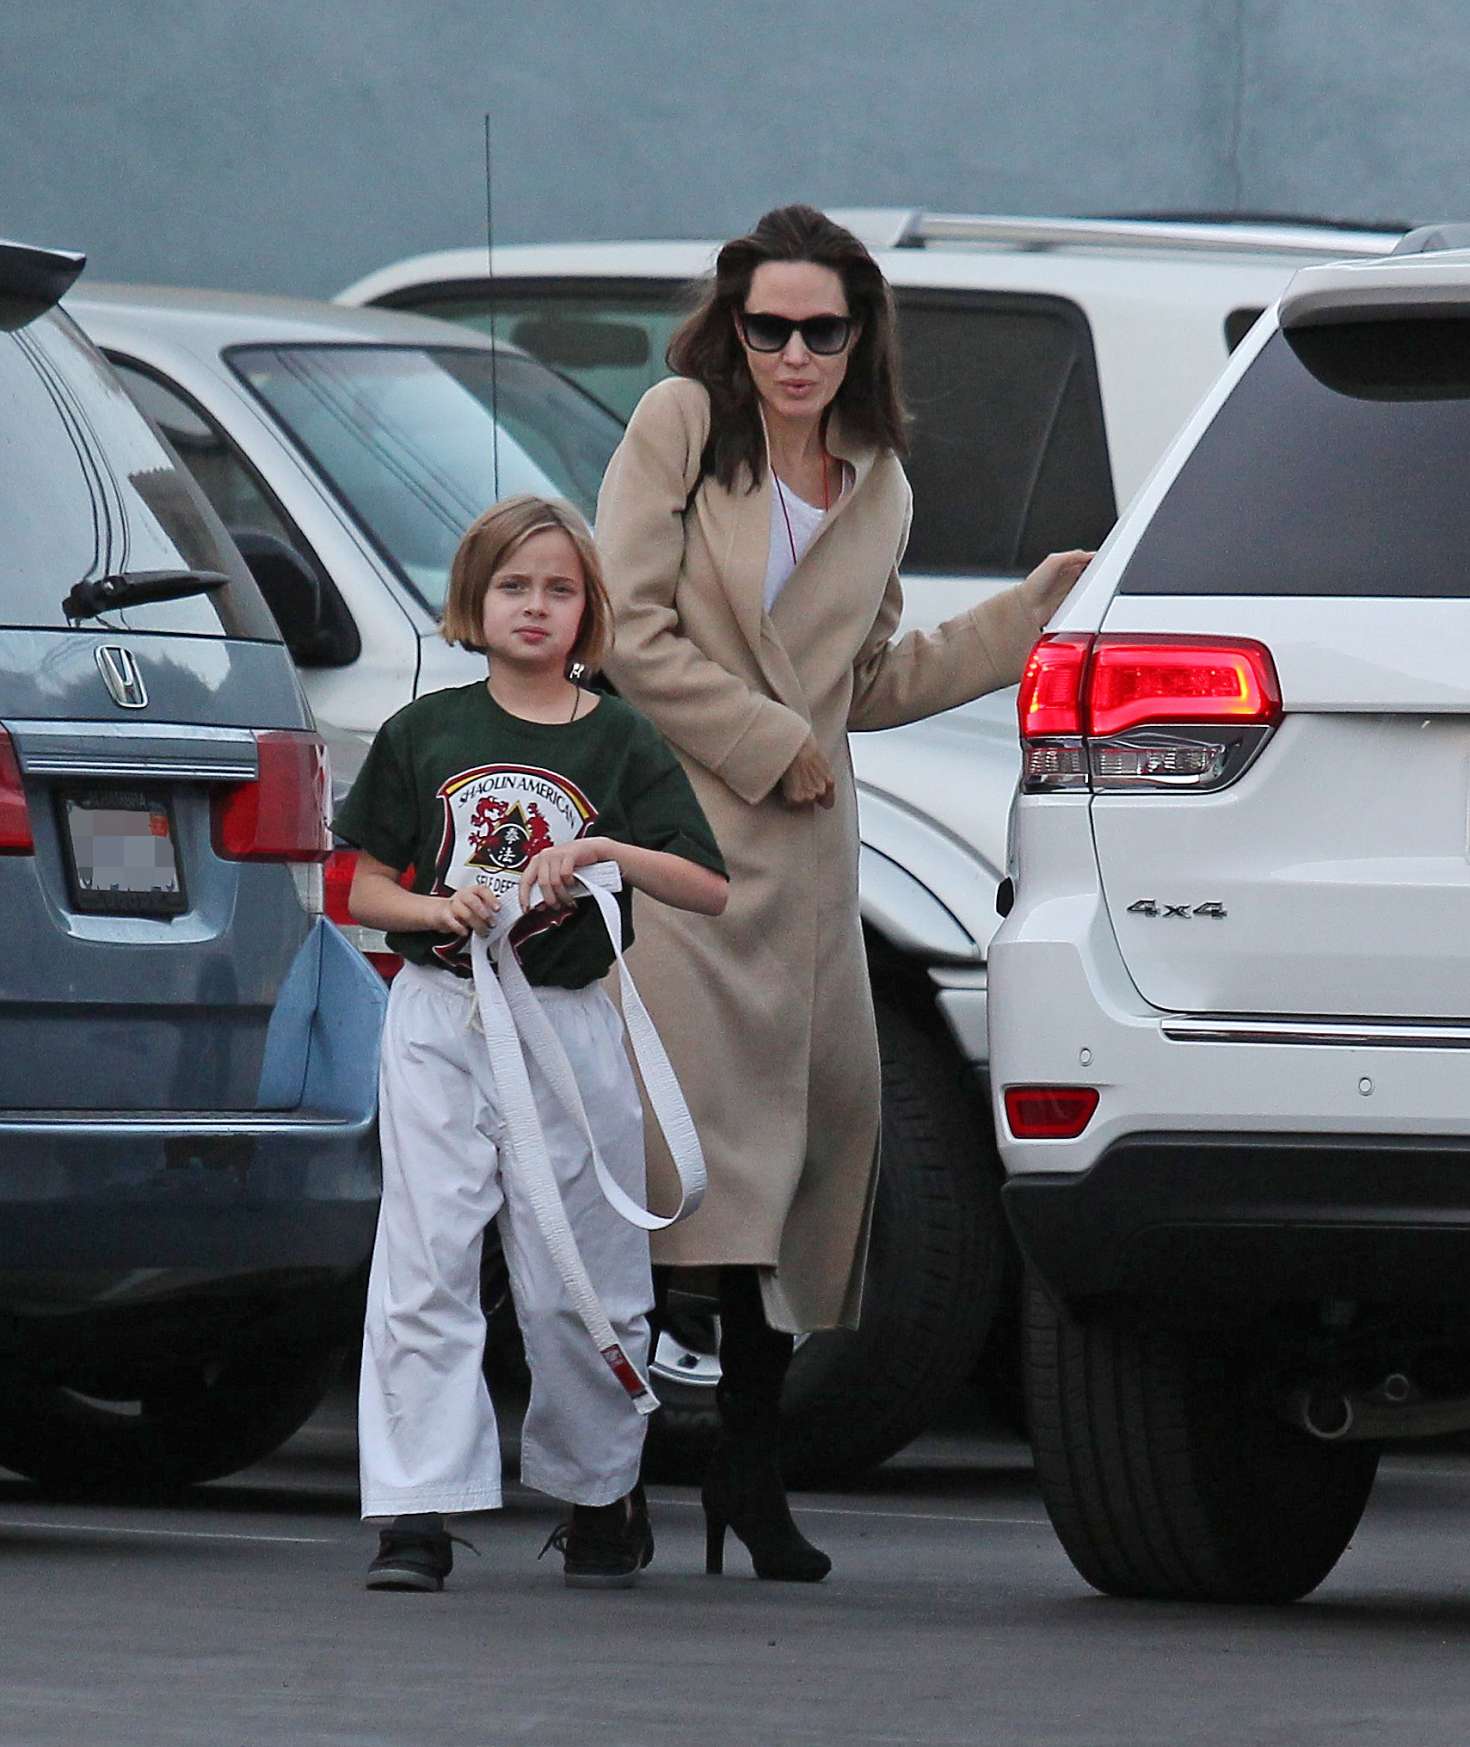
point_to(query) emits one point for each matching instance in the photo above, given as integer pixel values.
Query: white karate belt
(512, 1018)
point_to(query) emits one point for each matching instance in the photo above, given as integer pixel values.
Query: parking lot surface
(237, 1616)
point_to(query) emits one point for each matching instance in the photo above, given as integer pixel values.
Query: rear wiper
(101, 594)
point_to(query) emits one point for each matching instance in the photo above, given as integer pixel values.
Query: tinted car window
(87, 490)
(266, 536)
(219, 472)
(407, 437)
(610, 344)
(1010, 457)
(1337, 467)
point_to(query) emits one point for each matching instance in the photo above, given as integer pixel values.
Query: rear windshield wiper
(101, 594)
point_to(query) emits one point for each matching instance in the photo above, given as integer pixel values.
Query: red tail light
(1050, 699)
(282, 815)
(15, 818)
(1049, 1112)
(1136, 680)
(1144, 712)
(337, 884)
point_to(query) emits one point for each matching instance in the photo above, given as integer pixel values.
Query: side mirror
(291, 591)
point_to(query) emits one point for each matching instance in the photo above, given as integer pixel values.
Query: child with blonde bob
(508, 786)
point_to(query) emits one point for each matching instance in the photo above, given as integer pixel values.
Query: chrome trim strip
(43, 728)
(135, 749)
(146, 1125)
(141, 764)
(1318, 1031)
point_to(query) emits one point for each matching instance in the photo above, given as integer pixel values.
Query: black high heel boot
(743, 1489)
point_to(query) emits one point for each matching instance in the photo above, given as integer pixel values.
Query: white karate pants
(427, 1436)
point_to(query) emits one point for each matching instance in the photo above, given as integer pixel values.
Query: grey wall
(292, 147)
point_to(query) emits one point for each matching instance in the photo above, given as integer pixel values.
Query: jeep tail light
(1144, 712)
(282, 815)
(1050, 698)
(1133, 680)
(341, 865)
(1049, 706)
(1049, 1112)
(15, 818)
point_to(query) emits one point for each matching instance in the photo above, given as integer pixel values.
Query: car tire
(1164, 1479)
(855, 1397)
(221, 1418)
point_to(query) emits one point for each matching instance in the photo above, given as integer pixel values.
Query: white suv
(1048, 362)
(1231, 1002)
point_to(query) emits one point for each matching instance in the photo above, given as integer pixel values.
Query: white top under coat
(787, 547)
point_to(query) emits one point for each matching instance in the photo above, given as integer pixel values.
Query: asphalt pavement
(236, 1618)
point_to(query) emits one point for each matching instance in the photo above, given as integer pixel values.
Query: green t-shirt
(465, 793)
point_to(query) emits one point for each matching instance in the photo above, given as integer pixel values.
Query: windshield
(406, 437)
(87, 490)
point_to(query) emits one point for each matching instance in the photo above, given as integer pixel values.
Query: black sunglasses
(825, 335)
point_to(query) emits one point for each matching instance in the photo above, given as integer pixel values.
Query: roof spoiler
(40, 276)
(1355, 291)
(1430, 239)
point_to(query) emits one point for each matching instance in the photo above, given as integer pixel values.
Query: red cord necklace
(786, 514)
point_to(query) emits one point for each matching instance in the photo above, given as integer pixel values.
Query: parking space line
(900, 1516)
(166, 1534)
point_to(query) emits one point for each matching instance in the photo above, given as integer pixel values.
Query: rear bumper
(212, 1198)
(237, 1197)
(1199, 1222)
(1232, 1164)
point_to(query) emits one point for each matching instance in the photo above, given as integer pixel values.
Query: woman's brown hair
(489, 541)
(707, 346)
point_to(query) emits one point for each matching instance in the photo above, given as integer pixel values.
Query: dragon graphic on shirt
(497, 819)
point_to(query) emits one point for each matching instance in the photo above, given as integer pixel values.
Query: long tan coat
(766, 1010)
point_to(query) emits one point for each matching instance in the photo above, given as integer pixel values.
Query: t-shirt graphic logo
(506, 835)
(497, 819)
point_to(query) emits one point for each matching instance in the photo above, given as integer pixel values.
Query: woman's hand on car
(809, 778)
(1052, 581)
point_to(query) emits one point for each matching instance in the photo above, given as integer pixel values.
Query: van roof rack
(910, 227)
(1167, 235)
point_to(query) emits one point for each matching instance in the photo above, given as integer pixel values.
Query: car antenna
(494, 348)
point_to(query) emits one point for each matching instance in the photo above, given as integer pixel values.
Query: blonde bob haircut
(489, 542)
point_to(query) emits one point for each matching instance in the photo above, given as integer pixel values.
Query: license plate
(122, 856)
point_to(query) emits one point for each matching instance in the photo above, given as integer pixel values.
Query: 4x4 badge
(1152, 907)
(121, 676)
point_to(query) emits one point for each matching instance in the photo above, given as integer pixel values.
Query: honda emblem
(121, 676)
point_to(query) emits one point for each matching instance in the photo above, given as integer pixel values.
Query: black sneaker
(604, 1546)
(413, 1559)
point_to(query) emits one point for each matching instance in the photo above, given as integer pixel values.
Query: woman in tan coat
(752, 522)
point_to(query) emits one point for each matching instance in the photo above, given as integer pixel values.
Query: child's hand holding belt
(548, 881)
(514, 1022)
